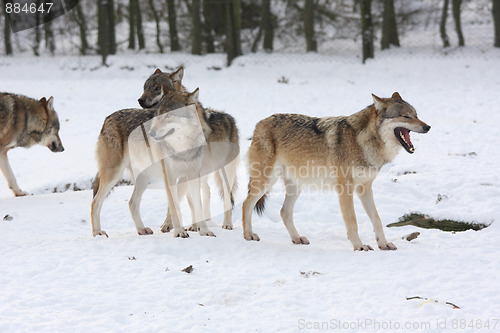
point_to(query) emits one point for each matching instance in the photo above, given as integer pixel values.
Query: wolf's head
(153, 86)
(396, 119)
(176, 124)
(50, 137)
(170, 101)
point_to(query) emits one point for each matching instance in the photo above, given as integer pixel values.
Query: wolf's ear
(43, 100)
(379, 103)
(157, 71)
(164, 89)
(50, 103)
(193, 97)
(178, 74)
(396, 96)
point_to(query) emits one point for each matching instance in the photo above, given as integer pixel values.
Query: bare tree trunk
(111, 26)
(455, 5)
(268, 25)
(311, 43)
(196, 41)
(496, 18)
(38, 35)
(106, 39)
(135, 25)
(367, 29)
(82, 25)
(131, 24)
(442, 25)
(208, 26)
(49, 34)
(237, 26)
(172, 25)
(138, 22)
(233, 26)
(157, 20)
(389, 26)
(266, 28)
(7, 33)
(255, 44)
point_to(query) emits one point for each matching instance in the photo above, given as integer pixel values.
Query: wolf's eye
(406, 117)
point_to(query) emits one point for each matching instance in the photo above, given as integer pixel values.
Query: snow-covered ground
(54, 276)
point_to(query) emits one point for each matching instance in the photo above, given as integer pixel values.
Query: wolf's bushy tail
(232, 190)
(95, 184)
(260, 206)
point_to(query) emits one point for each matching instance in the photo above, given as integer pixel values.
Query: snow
(55, 276)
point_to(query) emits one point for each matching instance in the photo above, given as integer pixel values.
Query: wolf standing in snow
(223, 144)
(124, 144)
(25, 122)
(341, 153)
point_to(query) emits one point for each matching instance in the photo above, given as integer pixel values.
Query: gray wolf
(124, 143)
(341, 153)
(223, 144)
(25, 122)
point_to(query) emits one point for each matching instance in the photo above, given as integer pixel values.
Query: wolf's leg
(141, 183)
(257, 189)
(181, 192)
(173, 203)
(292, 194)
(107, 180)
(194, 193)
(365, 194)
(167, 224)
(184, 191)
(205, 190)
(349, 215)
(228, 181)
(9, 175)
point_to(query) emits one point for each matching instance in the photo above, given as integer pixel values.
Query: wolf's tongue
(406, 134)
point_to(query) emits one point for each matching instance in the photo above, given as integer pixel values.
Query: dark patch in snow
(426, 222)
(188, 269)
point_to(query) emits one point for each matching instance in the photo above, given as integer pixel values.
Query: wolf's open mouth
(403, 135)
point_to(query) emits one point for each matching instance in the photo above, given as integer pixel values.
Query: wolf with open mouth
(342, 153)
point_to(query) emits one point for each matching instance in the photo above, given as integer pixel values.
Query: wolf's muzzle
(56, 147)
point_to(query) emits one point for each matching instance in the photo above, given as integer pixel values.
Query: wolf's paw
(166, 227)
(181, 233)
(207, 233)
(387, 246)
(145, 231)
(227, 226)
(192, 227)
(20, 193)
(99, 233)
(300, 240)
(251, 236)
(363, 248)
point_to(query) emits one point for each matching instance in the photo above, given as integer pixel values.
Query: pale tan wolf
(25, 122)
(341, 153)
(122, 142)
(223, 144)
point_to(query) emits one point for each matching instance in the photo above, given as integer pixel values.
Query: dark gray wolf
(223, 144)
(341, 153)
(25, 122)
(124, 143)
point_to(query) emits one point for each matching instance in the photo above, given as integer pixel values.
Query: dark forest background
(357, 28)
